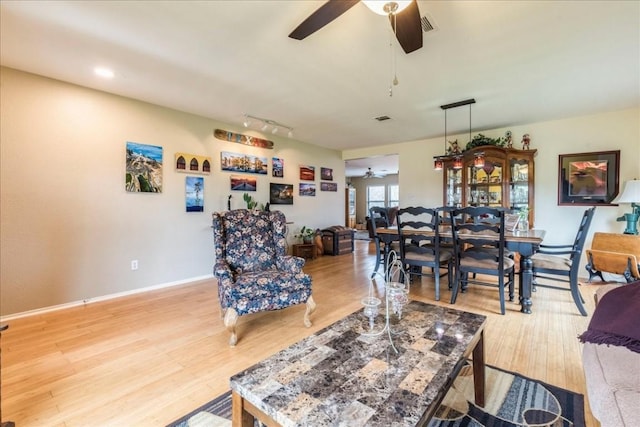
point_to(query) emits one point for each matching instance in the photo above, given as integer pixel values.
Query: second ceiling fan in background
(404, 17)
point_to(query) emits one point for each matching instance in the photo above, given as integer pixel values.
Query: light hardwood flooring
(148, 359)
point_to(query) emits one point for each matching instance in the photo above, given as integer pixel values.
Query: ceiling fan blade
(409, 28)
(321, 17)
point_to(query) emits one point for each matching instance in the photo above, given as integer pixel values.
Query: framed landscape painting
(588, 178)
(280, 194)
(143, 168)
(277, 167)
(234, 162)
(307, 173)
(307, 189)
(328, 186)
(326, 174)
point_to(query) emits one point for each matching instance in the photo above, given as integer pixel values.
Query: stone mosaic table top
(339, 377)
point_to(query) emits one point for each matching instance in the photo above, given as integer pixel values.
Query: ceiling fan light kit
(266, 123)
(371, 174)
(404, 17)
(385, 7)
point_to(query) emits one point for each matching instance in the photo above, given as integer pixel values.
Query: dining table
(524, 242)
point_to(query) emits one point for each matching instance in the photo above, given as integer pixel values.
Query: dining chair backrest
(378, 217)
(417, 227)
(581, 235)
(479, 227)
(419, 234)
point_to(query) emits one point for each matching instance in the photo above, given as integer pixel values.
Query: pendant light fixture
(478, 160)
(438, 163)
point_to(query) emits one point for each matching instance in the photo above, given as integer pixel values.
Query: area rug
(511, 400)
(361, 235)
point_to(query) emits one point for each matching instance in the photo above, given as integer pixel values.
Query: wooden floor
(146, 360)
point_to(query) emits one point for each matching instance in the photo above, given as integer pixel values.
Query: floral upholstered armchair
(253, 270)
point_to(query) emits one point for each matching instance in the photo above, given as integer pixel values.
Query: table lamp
(631, 194)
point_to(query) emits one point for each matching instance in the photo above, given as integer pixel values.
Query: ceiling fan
(371, 174)
(404, 17)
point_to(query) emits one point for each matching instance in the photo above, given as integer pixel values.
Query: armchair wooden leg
(311, 307)
(230, 320)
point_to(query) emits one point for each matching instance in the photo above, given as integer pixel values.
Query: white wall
(69, 230)
(619, 130)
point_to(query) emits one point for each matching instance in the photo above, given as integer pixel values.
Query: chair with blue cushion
(252, 267)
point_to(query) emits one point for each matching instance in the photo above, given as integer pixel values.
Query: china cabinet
(505, 180)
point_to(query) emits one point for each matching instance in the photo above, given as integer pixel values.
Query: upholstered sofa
(612, 374)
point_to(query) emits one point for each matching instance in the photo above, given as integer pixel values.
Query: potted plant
(306, 234)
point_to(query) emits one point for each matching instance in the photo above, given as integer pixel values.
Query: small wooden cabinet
(305, 250)
(505, 180)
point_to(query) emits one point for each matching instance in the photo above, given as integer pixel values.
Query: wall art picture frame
(326, 174)
(280, 194)
(307, 190)
(588, 178)
(243, 183)
(236, 162)
(307, 173)
(143, 170)
(192, 163)
(194, 194)
(277, 167)
(328, 186)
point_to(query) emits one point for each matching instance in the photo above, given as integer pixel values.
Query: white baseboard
(103, 298)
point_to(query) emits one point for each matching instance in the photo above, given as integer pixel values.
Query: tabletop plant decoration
(306, 234)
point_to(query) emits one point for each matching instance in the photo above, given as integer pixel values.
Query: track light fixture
(266, 123)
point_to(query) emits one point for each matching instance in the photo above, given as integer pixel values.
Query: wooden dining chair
(479, 248)
(420, 244)
(560, 263)
(379, 217)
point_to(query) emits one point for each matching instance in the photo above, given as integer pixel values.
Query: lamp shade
(378, 6)
(631, 193)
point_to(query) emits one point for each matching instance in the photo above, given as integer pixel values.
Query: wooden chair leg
(230, 320)
(311, 307)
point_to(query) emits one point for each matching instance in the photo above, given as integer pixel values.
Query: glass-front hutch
(505, 180)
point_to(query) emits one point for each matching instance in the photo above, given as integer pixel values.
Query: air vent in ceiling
(382, 118)
(426, 25)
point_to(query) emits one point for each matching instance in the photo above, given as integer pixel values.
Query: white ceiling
(523, 62)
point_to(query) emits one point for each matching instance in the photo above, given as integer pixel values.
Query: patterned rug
(512, 400)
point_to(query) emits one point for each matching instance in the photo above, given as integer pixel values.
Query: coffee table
(338, 376)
